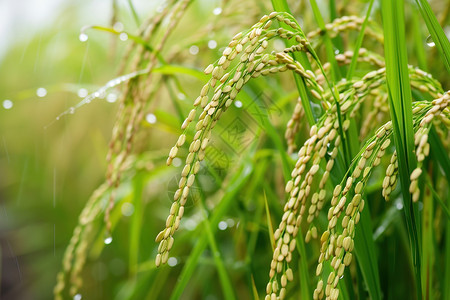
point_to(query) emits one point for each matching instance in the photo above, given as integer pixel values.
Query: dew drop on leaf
(430, 41)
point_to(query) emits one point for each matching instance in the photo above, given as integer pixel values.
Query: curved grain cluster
(347, 23)
(438, 112)
(346, 205)
(133, 100)
(132, 104)
(337, 242)
(243, 59)
(246, 57)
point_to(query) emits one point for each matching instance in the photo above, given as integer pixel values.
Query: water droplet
(217, 11)
(238, 104)
(72, 110)
(223, 225)
(193, 50)
(118, 26)
(316, 108)
(7, 104)
(77, 297)
(336, 51)
(83, 37)
(176, 162)
(172, 261)
(399, 205)
(127, 209)
(430, 41)
(212, 44)
(181, 96)
(230, 222)
(96, 94)
(41, 92)
(82, 92)
(108, 240)
(341, 277)
(111, 98)
(151, 118)
(123, 36)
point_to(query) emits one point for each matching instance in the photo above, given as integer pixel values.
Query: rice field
(228, 150)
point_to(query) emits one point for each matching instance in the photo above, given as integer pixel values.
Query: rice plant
(337, 186)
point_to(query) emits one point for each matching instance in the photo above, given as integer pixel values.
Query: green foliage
(294, 138)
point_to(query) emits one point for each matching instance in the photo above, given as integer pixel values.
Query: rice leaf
(136, 223)
(352, 67)
(303, 269)
(400, 105)
(269, 222)
(227, 286)
(365, 253)
(428, 245)
(328, 44)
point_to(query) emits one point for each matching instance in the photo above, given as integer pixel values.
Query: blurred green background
(49, 167)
